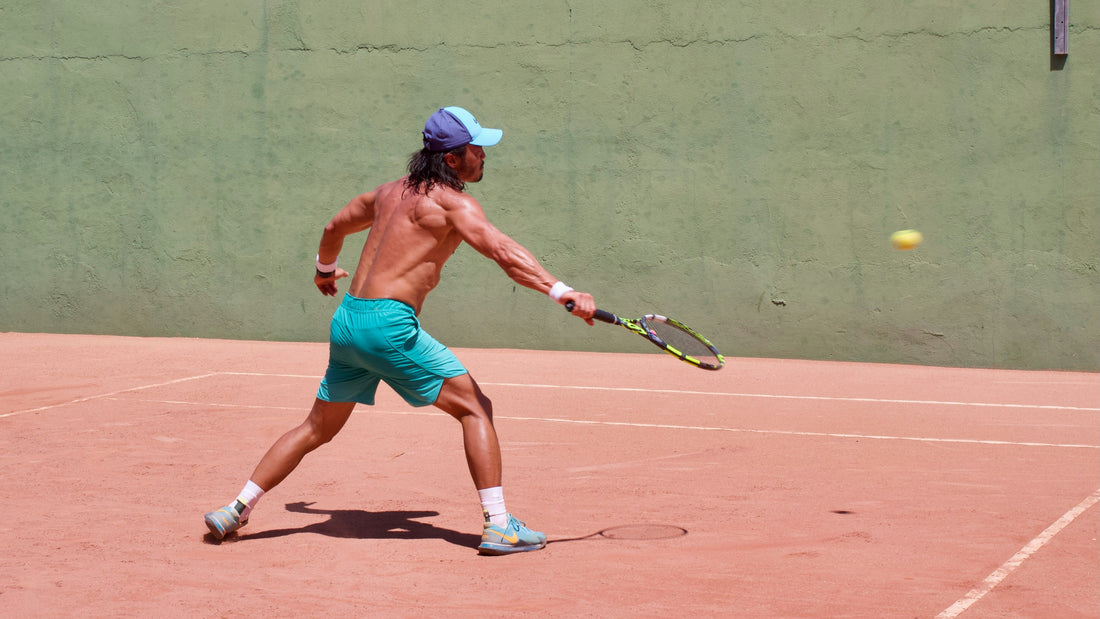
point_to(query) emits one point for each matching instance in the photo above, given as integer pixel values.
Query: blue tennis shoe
(224, 521)
(515, 537)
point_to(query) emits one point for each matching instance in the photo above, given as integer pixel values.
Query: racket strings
(684, 341)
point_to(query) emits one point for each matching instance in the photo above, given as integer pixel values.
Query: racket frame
(652, 336)
(639, 327)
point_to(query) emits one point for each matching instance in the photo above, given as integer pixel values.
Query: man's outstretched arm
(469, 220)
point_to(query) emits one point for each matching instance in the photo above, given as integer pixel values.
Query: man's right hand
(584, 306)
(327, 285)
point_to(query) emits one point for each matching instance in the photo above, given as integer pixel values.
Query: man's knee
(314, 434)
(460, 396)
(325, 421)
(473, 407)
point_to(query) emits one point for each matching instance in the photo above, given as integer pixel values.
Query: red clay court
(769, 489)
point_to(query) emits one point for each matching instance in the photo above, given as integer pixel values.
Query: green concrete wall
(166, 168)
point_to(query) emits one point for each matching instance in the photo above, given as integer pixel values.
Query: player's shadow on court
(360, 524)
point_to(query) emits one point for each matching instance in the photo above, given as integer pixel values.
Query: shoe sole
(503, 549)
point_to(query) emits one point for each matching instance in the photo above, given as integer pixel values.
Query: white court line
(724, 394)
(733, 395)
(802, 397)
(105, 395)
(310, 376)
(579, 387)
(921, 439)
(632, 424)
(210, 404)
(1017, 559)
(642, 425)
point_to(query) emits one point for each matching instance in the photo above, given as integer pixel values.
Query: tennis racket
(670, 335)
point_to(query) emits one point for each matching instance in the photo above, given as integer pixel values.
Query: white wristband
(326, 268)
(559, 289)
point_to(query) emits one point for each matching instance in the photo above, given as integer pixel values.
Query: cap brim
(487, 137)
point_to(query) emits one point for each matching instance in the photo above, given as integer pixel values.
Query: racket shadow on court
(361, 524)
(632, 532)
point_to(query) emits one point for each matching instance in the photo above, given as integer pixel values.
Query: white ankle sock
(249, 496)
(492, 501)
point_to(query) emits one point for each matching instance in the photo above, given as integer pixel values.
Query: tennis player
(415, 224)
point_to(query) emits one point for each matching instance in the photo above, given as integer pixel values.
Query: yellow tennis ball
(906, 239)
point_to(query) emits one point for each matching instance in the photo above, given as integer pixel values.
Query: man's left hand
(327, 285)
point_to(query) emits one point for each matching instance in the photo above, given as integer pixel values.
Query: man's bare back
(409, 242)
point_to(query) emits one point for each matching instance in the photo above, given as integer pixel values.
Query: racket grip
(600, 315)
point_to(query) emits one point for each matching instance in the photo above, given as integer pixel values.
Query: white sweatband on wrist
(559, 289)
(326, 268)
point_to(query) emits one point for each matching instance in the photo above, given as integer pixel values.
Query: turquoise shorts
(381, 339)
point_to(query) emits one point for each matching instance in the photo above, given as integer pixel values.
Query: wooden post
(1061, 28)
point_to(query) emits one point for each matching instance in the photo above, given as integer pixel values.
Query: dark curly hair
(427, 169)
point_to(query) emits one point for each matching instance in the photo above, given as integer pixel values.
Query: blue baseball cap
(451, 127)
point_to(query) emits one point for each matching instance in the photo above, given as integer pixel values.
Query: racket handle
(600, 315)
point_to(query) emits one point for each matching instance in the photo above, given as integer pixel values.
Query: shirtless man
(415, 223)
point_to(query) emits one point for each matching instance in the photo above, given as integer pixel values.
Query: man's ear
(453, 159)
